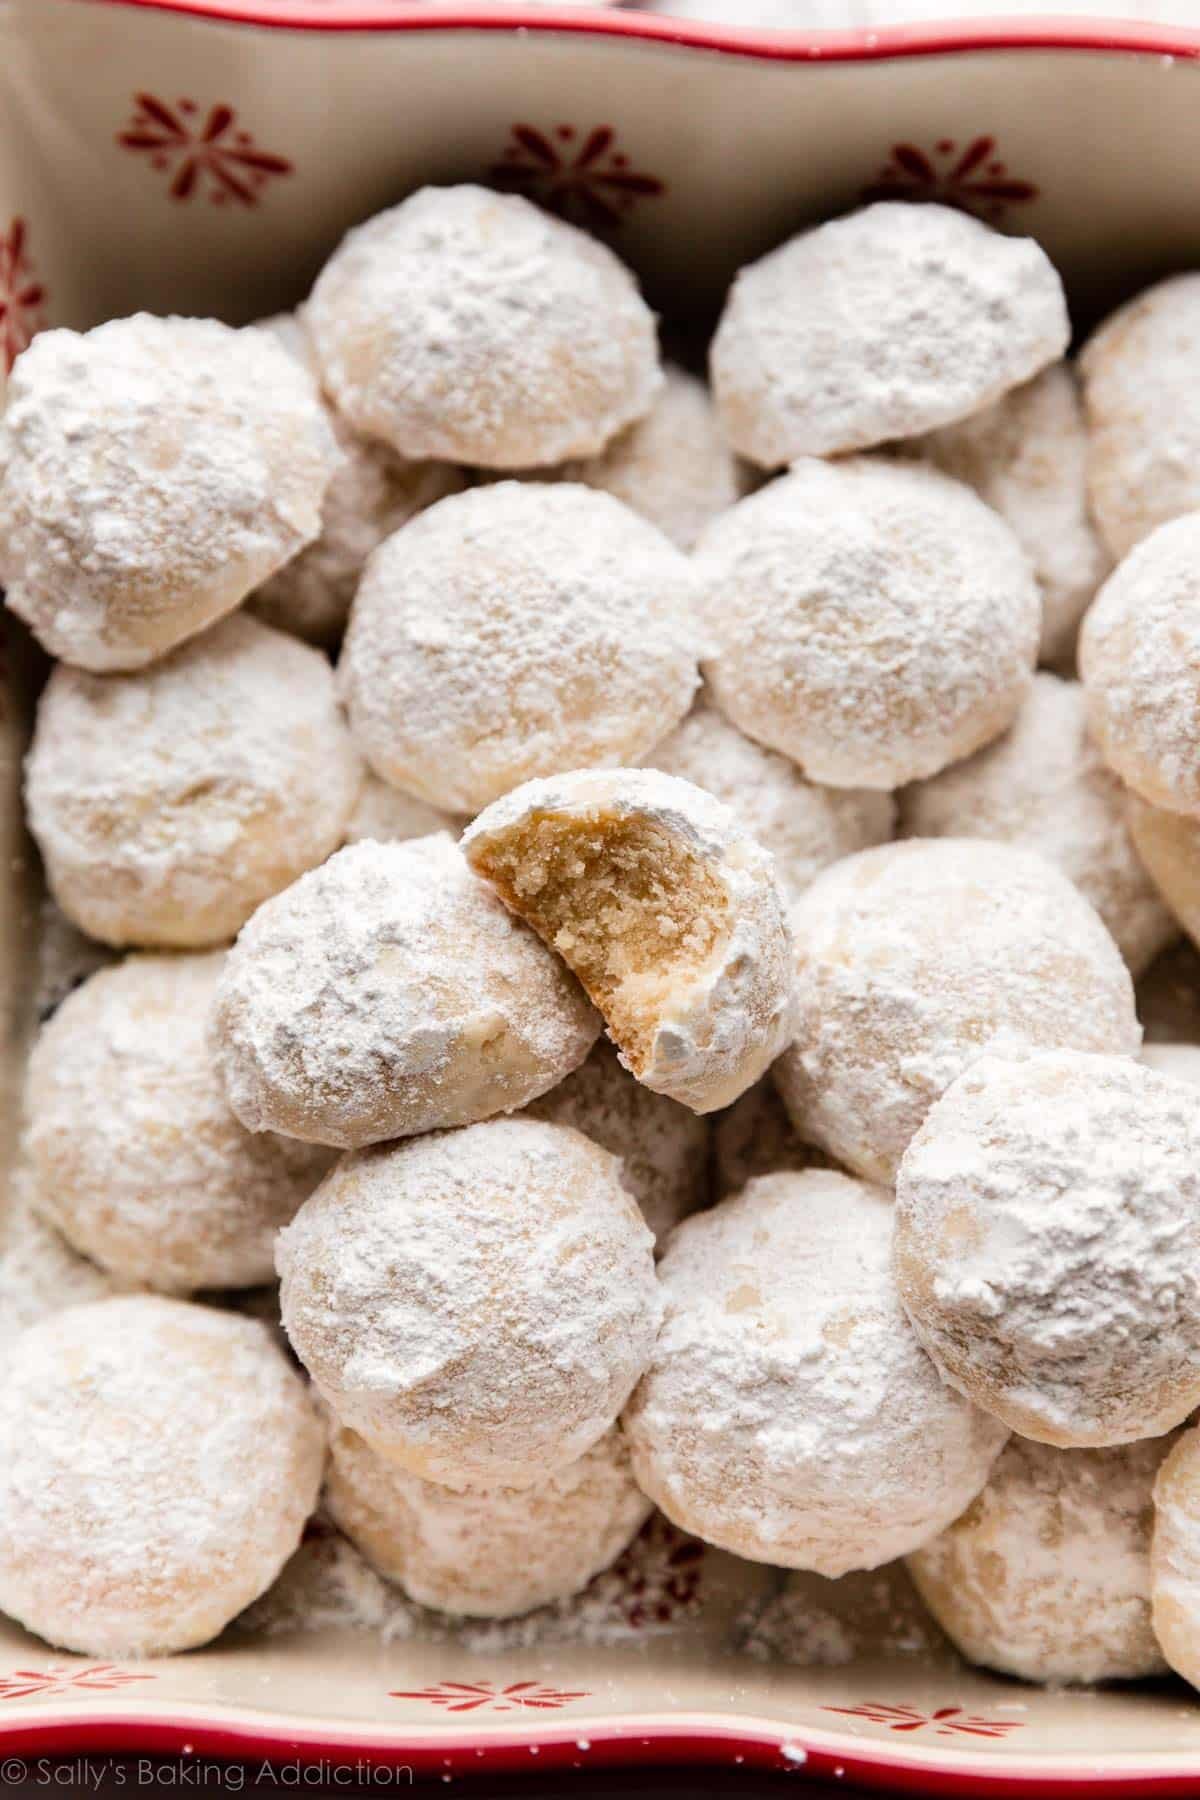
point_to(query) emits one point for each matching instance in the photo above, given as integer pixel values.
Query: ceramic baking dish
(204, 156)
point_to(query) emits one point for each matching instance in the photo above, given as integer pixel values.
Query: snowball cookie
(488, 1553)
(1182, 1061)
(1045, 786)
(870, 619)
(1047, 1237)
(477, 1304)
(1143, 413)
(373, 493)
(157, 1464)
(1169, 847)
(916, 958)
(662, 1146)
(514, 631)
(168, 804)
(674, 467)
(1137, 652)
(391, 817)
(1026, 455)
(755, 1136)
(668, 912)
(472, 327)
(805, 827)
(1047, 1573)
(40, 1274)
(152, 472)
(789, 1413)
(135, 1155)
(880, 325)
(1175, 1557)
(389, 992)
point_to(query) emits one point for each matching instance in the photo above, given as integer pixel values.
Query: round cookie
(388, 993)
(674, 467)
(472, 327)
(662, 1146)
(1138, 646)
(914, 959)
(1047, 1235)
(755, 1136)
(1047, 1573)
(373, 493)
(152, 472)
(1044, 785)
(1168, 844)
(889, 322)
(514, 631)
(169, 803)
(805, 827)
(157, 1464)
(476, 1304)
(40, 1274)
(134, 1153)
(391, 816)
(1180, 1061)
(1175, 1557)
(870, 619)
(670, 915)
(1026, 456)
(1143, 414)
(486, 1553)
(789, 1413)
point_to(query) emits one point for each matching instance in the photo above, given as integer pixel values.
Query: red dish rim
(937, 38)
(690, 1739)
(750, 1743)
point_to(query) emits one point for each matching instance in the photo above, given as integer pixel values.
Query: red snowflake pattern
(581, 176)
(99, 1678)
(658, 1576)
(971, 178)
(485, 1696)
(205, 153)
(22, 295)
(947, 1721)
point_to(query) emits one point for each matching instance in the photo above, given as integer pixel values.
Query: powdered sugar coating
(803, 826)
(871, 619)
(1169, 847)
(1047, 1573)
(711, 1026)
(916, 958)
(1180, 1061)
(152, 472)
(388, 993)
(135, 1155)
(880, 325)
(476, 1304)
(1175, 1557)
(1044, 785)
(488, 1553)
(673, 467)
(1047, 1237)
(157, 1463)
(1143, 416)
(1139, 644)
(789, 1413)
(662, 1146)
(1026, 456)
(373, 493)
(514, 631)
(472, 327)
(170, 802)
(391, 816)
